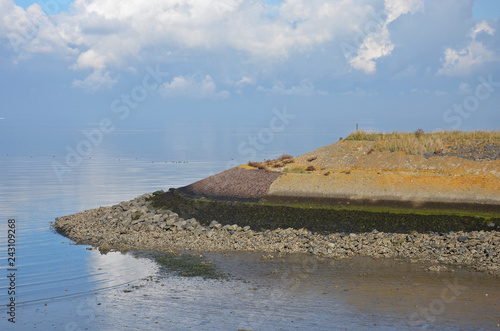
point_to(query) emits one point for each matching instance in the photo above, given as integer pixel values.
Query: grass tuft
(422, 143)
(276, 163)
(284, 157)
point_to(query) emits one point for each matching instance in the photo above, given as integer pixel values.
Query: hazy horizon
(222, 64)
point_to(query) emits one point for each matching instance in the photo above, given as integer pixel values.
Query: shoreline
(135, 225)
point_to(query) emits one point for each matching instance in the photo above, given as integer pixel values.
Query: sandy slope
(352, 169)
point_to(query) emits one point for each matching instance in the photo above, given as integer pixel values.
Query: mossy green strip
(267, 216)
(393, 210)
(188, 265)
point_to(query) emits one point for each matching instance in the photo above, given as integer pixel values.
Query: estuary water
(61, 286)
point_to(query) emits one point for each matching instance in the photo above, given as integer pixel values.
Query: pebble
(133, 225)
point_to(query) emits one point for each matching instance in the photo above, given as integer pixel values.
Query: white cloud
(105, 35)
(244, 26)
(192, 87)
(30, 31)
(374, 46)
(96, 81)
(482, 27)
(377, 42)
(306, 89)
(242, 41)
(471, 57)
(245, 80)
(90, 59)
(396, 8)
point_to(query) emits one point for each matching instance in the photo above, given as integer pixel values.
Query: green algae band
(261, 216)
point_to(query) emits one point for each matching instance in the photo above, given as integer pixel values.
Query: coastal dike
(399, 182)
(433, 198)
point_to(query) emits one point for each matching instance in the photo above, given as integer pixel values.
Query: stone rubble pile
(134, 225)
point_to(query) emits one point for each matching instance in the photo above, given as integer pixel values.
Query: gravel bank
(234, 183)
(474, 153)
(134, 225)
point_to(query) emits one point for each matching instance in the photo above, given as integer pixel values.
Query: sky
(385, 64)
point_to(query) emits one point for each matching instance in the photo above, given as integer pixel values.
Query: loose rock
(133, 225)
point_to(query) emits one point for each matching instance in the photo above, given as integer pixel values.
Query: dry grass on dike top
(415, 143)
(419, 142)
(280, 162)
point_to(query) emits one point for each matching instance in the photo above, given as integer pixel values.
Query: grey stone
(180, 224)
(125, 205)
(192, 222)
(127, 222)
(462, 239)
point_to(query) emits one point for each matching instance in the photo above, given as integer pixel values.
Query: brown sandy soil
(353, 170)
(348, 155)
(388, 186)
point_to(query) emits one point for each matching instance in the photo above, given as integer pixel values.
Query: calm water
(67, 287)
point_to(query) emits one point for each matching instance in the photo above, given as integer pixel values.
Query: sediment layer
(353, 171)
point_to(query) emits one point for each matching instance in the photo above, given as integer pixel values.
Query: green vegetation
(297, 170)
(188, 265)
(392, 210)
(319, 216)
(421, 143)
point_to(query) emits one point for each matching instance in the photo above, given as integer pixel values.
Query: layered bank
(426, 197)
